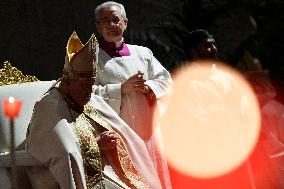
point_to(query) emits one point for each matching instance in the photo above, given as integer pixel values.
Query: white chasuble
(67, 148)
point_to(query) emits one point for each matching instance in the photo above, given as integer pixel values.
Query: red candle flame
(11, 107)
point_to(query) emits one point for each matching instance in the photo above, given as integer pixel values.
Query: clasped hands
(136, 83)
(107, 140)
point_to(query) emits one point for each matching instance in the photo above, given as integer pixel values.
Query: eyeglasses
(106, 22)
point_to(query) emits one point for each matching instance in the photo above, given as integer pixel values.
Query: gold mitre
(81, 60)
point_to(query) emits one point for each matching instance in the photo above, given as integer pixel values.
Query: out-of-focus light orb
(212, 122)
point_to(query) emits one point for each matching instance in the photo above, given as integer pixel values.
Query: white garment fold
(52, 141)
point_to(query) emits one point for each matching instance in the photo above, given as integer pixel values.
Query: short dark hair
(193, 38)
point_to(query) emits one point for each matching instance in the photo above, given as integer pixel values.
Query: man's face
(80, 90)
(207, 49)
(111, 25)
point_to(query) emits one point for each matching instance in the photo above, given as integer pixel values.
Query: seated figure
(79, 140)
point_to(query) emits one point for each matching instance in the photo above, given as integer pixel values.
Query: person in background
(132, 81)
(264, 167)
(200, 45)
(216, 101)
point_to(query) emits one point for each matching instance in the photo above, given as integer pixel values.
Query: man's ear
(125, 23)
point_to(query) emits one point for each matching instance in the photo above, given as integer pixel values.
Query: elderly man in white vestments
(131, 80)
(80, 141)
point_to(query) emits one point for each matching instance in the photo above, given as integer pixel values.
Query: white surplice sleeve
(159, 80)
(111, 93)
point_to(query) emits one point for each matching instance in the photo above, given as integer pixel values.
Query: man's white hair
(109, 4)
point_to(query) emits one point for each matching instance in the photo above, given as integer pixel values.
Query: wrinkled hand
(107, 140)
(134, 83)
